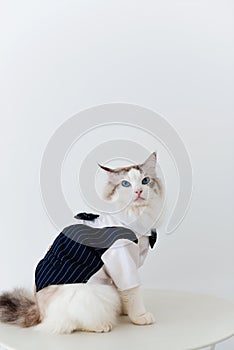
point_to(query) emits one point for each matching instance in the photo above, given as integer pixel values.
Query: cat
(114, 289)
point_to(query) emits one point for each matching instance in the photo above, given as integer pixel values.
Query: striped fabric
(75, 255)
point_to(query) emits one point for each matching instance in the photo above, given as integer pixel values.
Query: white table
(185, 321)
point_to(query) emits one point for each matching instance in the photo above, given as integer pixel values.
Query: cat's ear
(111, 173)
(108, 170)
(150, 163)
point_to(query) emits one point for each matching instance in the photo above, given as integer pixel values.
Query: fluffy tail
(19, 307)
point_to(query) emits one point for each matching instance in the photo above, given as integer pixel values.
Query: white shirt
(123, 259)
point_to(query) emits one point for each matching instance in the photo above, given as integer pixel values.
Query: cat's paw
(145, 319)
(103, 329)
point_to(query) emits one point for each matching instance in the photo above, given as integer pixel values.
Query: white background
(175, 57)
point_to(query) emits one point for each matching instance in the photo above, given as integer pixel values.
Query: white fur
(133, 306)
(81, 307)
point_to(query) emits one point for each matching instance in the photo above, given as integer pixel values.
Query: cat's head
(135, 187)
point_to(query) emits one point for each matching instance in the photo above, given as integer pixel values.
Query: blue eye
(125, 183)
(145, 181)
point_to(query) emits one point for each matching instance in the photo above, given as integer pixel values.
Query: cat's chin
(134, 204)
(143, 212)
(136, 209)
(140, 203)
(139, 200)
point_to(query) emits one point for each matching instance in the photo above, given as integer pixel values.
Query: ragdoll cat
(85, 286)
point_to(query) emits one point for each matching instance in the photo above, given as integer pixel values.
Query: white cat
(114, 287)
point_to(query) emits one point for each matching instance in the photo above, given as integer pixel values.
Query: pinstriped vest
(75, 255)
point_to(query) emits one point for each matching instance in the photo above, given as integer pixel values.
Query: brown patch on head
(115, 175)
(157, 186)
(110, 190)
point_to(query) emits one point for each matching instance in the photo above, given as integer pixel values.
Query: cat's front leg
(133, 306)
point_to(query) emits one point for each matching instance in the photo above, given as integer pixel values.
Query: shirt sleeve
(121, 262)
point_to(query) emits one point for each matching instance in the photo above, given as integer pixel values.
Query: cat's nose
(139, 192)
